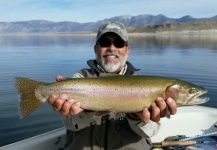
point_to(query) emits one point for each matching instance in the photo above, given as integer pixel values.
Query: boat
(52, 140)
(189, 121)
(192, 122)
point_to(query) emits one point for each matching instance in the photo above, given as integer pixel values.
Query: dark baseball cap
(114, 27)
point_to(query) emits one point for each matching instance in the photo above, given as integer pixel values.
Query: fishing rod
(198, 136)
(187, 141)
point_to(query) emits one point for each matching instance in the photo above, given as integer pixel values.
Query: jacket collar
(98, 69)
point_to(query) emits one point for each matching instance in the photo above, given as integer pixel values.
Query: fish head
(185, 93)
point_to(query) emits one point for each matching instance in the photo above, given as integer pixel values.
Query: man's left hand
(156, 111)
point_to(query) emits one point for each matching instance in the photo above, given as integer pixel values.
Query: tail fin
(26, 89)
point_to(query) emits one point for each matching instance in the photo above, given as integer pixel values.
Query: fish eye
(193, 91)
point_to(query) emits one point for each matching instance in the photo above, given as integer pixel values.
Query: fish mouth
(196, 99)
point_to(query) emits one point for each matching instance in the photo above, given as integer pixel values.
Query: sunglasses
(119, 43)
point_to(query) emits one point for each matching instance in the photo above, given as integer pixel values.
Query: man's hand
(64, 105)
(156, 111)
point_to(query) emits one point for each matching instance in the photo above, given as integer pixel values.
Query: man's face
(111, 52)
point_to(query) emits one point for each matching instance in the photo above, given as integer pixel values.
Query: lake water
(189, 57)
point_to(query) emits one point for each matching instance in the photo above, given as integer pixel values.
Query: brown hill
(175, 27)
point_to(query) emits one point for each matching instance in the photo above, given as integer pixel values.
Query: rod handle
(174, 143)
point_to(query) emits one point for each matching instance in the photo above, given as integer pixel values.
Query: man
(116, 130)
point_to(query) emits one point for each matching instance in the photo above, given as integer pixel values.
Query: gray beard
(111, 67)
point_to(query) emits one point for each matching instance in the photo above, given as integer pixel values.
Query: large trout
(125, 94)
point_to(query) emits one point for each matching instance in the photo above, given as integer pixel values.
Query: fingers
(150, 114)
(75, 108)
(59, 102)
(63, 105)
(59, 78)
(65, 110)
(171, 106)
(155, 113)
(158, 110)
(162, 106)
(145, 115)
(51, 99)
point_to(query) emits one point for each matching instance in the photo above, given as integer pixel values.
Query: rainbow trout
(125, 94)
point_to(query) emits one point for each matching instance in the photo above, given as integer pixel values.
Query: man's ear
(128, 50)
(95, 48)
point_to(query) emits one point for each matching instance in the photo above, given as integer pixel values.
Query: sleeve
(144, 130)
(81, 120)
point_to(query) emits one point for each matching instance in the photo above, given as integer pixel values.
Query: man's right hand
(63, 104)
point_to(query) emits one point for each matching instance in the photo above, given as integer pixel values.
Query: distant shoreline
(201, 27)
(50, 34)
(187, 28)
(187, 32)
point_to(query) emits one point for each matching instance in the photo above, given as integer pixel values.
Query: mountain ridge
(45, 26)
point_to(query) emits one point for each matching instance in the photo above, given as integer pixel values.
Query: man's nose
(112, 47)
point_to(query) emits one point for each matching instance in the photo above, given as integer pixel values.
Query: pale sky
(93, 10)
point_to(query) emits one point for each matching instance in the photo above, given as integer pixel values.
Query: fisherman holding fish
(88, 130)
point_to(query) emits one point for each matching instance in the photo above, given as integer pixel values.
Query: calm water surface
(187, 57)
